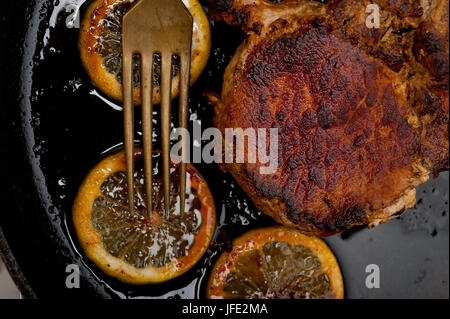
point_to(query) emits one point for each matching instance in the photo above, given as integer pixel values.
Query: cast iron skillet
(55, 126)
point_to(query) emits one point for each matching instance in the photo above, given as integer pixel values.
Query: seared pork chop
(362, 114)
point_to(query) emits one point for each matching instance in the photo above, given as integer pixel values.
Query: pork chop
(362, 114)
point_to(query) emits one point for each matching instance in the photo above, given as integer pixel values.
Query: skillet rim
(14, 269)
(10, 20)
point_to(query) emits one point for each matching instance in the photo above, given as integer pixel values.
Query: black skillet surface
(55, 126)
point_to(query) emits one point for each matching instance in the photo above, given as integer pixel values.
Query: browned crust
(352, 147)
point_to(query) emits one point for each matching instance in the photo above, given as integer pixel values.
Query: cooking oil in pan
(74, 126)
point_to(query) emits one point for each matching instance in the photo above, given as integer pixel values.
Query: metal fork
(165, 27)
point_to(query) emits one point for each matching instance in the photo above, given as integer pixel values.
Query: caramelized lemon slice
(100, 48)
(134, 247)
(276, 262)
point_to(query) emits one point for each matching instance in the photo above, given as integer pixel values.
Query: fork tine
(128, 123)
(166, 81)
(185, 61)
(147, 127)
